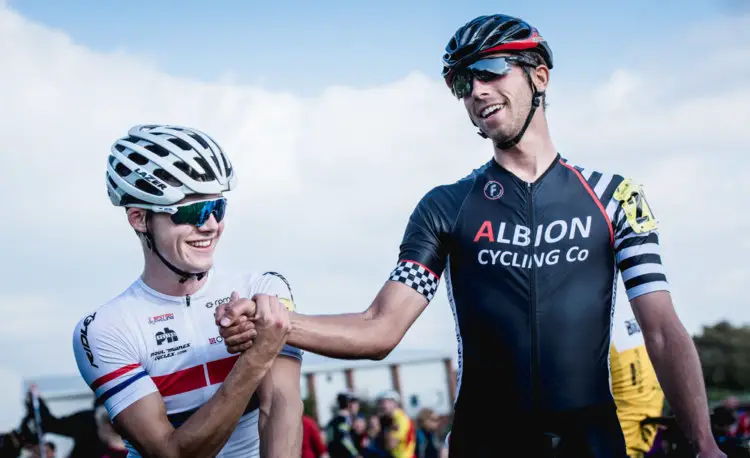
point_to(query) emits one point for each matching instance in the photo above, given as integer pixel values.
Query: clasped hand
(244, 323)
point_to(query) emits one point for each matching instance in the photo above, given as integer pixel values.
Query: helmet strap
(151, 244)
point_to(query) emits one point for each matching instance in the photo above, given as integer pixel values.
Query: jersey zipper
(195, 343)
(535, 378)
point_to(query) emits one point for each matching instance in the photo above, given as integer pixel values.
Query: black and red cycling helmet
(492, 34)
(486, 35)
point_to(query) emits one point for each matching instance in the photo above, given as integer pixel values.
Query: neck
(533, 154)
(160, 278)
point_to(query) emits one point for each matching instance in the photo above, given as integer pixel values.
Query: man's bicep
(654, 311)
(145, 425)
(423, 251)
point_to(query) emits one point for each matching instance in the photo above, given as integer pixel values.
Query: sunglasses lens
(484, 70)
(199, 213)
(461, 84)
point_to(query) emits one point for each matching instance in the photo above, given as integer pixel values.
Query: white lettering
(548, 233)
(576, 254)
(521, 236)
(503, 261)
(501, 234)
(577, 223)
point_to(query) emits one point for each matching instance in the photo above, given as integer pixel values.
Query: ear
(540, 76)
(137, 219)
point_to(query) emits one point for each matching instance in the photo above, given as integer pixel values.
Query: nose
(479, 88)
(211, 225)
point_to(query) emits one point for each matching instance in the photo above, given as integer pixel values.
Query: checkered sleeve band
(417, 277)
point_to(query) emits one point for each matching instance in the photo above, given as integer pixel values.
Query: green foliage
(724, 352)
(308, 407)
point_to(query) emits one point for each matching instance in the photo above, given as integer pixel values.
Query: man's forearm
(345, 336)
(678, 368)
(281, 435)
(209, 428)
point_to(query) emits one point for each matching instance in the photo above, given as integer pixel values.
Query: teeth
(201, 243)
(490, 110)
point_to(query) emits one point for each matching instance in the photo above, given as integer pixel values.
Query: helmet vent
(147, 187)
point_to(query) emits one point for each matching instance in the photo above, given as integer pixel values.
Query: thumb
(225, 312)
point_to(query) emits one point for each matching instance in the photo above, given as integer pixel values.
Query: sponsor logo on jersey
(170, 352)
(632, 326)
(493, 190)
(518, 236)
(161, 318)
(215, 340)
(217, 302)
(85, 339)
(167, 336)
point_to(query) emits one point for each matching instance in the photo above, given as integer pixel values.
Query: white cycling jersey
(143, 341)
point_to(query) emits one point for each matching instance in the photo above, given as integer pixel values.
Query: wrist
(255, 362)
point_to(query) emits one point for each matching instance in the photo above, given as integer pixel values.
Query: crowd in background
(389, 433)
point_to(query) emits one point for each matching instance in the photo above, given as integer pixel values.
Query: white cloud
(327, 183)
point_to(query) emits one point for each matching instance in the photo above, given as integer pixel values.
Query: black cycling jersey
(531, 273)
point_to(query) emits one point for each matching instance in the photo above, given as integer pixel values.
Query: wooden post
(311, 392)
(451, 378)
(349, 379)
(395, 380)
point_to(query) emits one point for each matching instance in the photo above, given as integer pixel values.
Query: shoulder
(108, 317)
(271, 282)
(603, 182)
(458, 190)
(446, 200)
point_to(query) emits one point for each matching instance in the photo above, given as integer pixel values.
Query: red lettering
(485, 231)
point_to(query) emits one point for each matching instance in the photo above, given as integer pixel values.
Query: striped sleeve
(636, 242)
(109, 364)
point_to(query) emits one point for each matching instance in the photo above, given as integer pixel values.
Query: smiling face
(186, 246)
(499, 107)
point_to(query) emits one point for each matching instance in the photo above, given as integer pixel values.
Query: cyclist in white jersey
(153, 353)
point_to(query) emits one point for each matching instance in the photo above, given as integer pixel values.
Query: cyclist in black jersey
(530, 247)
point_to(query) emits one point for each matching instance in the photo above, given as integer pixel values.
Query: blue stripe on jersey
(117, 388)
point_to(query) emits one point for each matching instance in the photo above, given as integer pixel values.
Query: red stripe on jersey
(180, 382)
(596, 200)
(113, 375)
(219, 369)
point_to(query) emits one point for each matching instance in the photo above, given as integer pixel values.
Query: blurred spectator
(373, 426)
(13, 442)
(91, 430)
(728, 421)
(49, 448)
(340, 441)
(428, 440)
(359, 433)
(398, 430)
(312, 443)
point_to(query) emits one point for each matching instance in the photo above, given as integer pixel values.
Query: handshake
(261, 323)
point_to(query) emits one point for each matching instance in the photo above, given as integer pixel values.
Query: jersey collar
(166, 297)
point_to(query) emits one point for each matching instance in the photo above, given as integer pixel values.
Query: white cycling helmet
(157, 165)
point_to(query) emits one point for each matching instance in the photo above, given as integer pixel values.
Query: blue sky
(303, 47)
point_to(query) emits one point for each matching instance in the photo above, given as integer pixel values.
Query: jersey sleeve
(424, 246)
(636, 242)
(275, 284)
(109, 363)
